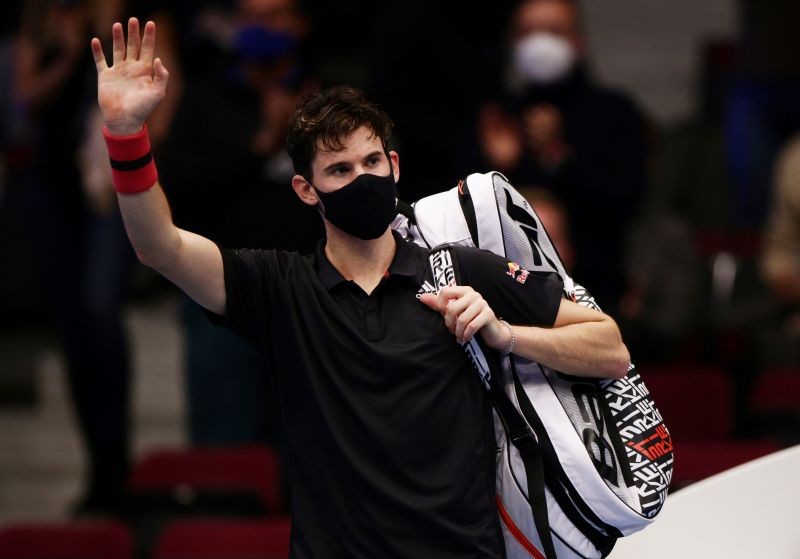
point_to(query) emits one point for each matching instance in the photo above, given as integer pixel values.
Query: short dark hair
(327, 116)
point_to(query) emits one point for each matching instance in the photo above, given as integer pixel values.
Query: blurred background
(657, 140)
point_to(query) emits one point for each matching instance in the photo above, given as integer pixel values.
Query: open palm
(130, 89)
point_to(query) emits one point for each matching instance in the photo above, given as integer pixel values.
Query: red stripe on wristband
(132, 166)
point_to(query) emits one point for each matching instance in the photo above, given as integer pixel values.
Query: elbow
(620, 362)
(151, 259)
(148, 258)
(158, 254)
(143, 257)
(619, 358)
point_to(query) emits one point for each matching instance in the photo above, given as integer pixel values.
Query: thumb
(430, 300)
(160, 73)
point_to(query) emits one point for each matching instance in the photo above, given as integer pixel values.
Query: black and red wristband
(132, 167)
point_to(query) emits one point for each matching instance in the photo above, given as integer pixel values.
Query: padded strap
(531, 453)
(468, 209)
(561, 488)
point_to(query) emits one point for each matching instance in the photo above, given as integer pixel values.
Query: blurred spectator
(19, 298)
(430, 67)
(227, 173)
(762, 110)
(690, 179)
(555, 127)
(687, 215)
(227, 176)
(81, 250)
(780, 259)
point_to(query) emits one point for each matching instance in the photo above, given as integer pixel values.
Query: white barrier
(750, 511)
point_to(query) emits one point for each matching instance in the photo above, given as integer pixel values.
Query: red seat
(695, 402)
(251, 469)
(696, 460)
(225, 539)
(776, 391)
(697, 406)
(76, 540)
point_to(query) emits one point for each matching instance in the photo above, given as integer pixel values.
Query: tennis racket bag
(581, 461)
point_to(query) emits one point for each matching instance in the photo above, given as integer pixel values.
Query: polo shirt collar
(402, 264)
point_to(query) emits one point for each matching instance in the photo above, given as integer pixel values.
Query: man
(387, 424)
(554, 127)
(78, 245)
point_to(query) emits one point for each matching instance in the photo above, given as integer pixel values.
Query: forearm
(582, 341)
(148, 223)
(592, 349)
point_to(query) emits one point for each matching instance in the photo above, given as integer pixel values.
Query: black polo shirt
(389, 428)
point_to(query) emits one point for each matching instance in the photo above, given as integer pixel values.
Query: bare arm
(582, 341)
(127, 93)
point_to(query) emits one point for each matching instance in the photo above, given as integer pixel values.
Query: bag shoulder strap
(518, 432)
(530, 452)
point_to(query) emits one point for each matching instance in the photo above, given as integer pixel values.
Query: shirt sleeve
(514, 293)
(247, 294)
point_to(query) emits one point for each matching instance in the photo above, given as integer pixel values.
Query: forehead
(357, 144)
(556, 16)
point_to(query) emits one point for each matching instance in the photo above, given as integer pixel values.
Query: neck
(364, 262)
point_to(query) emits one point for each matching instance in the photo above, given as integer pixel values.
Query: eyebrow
(335, 164)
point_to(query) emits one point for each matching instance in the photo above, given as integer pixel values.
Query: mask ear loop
(320, 206)
(391, 174)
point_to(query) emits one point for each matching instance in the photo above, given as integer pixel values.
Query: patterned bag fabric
(581, 461)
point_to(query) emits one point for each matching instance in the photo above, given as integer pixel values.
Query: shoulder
(473, 254)
(477, 265)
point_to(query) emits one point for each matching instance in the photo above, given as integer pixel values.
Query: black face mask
(363, 208)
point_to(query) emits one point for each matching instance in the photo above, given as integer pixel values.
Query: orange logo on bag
(656, 445)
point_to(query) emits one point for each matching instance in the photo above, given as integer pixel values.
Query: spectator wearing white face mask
(554, 127)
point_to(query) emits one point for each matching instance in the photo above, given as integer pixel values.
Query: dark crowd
(687, 233)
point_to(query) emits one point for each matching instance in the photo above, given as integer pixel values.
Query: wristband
(132, 166)
(510, 346)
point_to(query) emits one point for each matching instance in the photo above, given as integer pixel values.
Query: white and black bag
(581, 461)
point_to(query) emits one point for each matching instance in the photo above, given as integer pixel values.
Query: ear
(304, 190)
(395, 159)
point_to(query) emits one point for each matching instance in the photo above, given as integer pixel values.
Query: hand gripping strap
(132, 166)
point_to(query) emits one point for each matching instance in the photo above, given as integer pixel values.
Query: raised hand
(130, 89)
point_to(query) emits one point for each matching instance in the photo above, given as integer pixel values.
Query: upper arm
(190, 261)
(198, 270)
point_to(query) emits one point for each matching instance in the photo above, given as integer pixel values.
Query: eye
(339, 171)
(373, 160)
